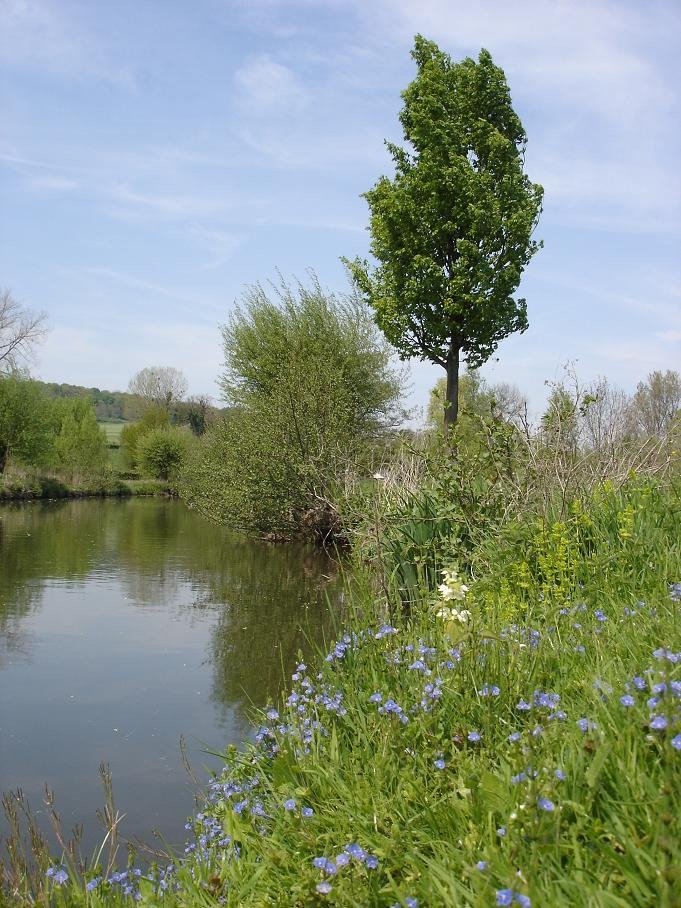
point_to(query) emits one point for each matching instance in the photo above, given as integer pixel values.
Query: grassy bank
(28, 487)
(515, 743)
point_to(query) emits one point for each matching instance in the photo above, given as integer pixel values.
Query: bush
(26, 422)
(311, 390)
(80, 444)
(132, 433)
(161, 452)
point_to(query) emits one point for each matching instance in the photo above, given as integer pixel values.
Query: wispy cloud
(54, 183)
(37, 34)
(266, 87)
(150, 287)
(219, 244)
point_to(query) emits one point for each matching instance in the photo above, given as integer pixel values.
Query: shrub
(311, 390)
(80, 444)
(132, 433)
(161, 452)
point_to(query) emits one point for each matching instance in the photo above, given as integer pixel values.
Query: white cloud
(265, 87)
(53, 183)
(165, 205)
(37, 34)
(219, 245)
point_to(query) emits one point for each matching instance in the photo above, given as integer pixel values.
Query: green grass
(113, 431)
(565, 618)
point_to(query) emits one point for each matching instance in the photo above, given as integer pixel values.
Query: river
(126, 623)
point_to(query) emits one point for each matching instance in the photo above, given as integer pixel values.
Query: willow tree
(452, 231)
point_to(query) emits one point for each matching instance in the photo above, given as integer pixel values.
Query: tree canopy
(452, 230)
(159, 386)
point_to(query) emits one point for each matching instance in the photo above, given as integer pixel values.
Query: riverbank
(517, 742)
(40, 487)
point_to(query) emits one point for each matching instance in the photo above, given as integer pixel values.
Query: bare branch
(20, 330)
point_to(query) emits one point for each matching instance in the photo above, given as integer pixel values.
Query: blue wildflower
(627, 700)
(489, 690)
(501, 832)
(307, 812)
(324, 888)
(559, 774)
(474, 736)
(513, 737)
(481, 865)
(545, 804)
(504, 896)
(439, 764)
(658, 723)
(523, 706)
(586, 725)
(289, 805)
(376, 698)
(676, 742)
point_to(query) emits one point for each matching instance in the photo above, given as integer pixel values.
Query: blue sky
(158, 157)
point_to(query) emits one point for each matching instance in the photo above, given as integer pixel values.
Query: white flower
(453, 587)
(452, 614)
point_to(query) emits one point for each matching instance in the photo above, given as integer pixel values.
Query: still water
(125, 624)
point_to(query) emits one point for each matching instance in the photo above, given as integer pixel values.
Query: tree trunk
(452, 397)
(4, 454)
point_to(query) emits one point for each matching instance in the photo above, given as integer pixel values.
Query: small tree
(132, 433)
(311, 389)
(452, 231)
(159, 386)
(26, 422)
(162, 452)
(80, 445)
(20, 330)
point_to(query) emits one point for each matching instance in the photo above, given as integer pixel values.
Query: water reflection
(124, 624)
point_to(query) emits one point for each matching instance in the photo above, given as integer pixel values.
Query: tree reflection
(267, 601)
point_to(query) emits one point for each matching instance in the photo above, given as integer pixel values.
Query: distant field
(113, 431)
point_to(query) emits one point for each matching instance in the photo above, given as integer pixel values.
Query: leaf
(597, 764)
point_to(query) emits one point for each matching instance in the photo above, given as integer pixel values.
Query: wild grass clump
(515, 740)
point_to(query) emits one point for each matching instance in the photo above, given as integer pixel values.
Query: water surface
(127, 623)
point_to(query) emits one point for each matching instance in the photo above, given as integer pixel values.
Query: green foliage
(452, 230)
(80, 444)
(26, 422)
(161, 452)
(311, 391)
(107, 404)
(131, 434)
(560, 426)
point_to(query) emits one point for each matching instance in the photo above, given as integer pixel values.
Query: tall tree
(20, 330)
(657, 402)
(159, 386)
(452, 231)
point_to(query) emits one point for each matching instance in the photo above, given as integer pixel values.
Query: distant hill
(114, 405)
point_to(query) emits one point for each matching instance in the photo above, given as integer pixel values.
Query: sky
(158, 158)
